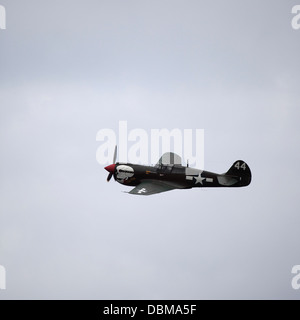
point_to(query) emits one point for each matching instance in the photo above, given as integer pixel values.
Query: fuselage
(133, 174)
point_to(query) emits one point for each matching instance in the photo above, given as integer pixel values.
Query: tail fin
(241, 170)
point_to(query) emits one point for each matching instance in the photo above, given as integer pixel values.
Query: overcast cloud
(70, 68)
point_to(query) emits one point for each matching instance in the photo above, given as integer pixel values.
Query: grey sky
(71, 68)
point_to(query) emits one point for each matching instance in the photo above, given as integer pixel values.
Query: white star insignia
(199, 179)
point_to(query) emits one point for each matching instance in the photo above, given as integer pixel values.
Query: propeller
(111, 168)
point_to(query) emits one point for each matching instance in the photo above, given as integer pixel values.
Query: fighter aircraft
(169, 174)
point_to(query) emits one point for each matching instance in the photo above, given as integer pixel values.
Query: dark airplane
(169, 174)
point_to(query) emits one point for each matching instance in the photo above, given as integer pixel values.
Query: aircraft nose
(110, 168)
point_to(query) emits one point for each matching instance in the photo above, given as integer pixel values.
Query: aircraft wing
(148, 187)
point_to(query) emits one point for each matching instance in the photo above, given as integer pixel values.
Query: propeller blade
(115, 155)
(111, 168)
(109, 176)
